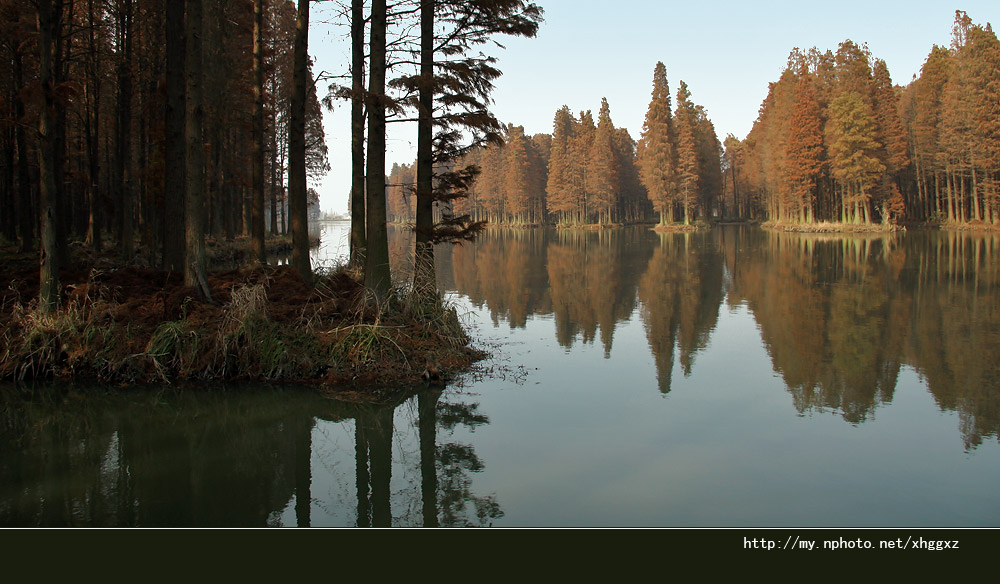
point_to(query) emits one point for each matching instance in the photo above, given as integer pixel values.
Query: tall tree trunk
(124, 133)
(358, 238)
(7, 206)
(49, 12)
(26, 215)
(423, 268)
(92, 131)
(297, 208)
(377, 274)
(60, 71)
(274, 189)
(257, 187)
(194, 223)
(174, 147)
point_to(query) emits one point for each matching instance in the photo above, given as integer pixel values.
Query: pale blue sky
(727, 53)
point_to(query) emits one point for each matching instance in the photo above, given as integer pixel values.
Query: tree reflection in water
(839, 314)
(233, 456)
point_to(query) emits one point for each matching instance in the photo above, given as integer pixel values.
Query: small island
(126, 324)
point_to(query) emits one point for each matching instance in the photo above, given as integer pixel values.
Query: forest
(592, 173)
(119, 125)
(135, 135)
(835, 141)
(144, 134)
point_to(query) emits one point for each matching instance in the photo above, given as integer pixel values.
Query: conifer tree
(853, 154)
(922, 118)
(460, 82)
(732, 163)
(633, 201)
(49, 25)
(579, 182)
(602, 168)
(891, 135)
(984, 54)
(853, 70)
(559, 200)
(490, 187)
(709, 163)
(539, 151)
(656, 151)
(514, 175)
(687, 152)
(174, 154)
(297, 205)
(359, 241)
(257, 184)
(377, 273)
(804, 150)
(885, 103)
(194, 169)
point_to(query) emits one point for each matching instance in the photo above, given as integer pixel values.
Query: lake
(732, 377)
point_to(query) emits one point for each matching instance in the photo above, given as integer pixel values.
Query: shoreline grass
(134, 326)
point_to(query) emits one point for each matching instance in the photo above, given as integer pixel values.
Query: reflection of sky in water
(587, 439)
(580, 432)
(334, 244)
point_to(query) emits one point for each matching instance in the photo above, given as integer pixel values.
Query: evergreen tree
(559, 198)
(49, 26)
(539, 151)
(804, 150)
(579, 153)
(514, 175)
(891, 135)
(731, 164)
(490, 187)
(633, 201)
(602, 168)
(257, 183)
(923, 119)
(297, 205)
(359, 240)
(377, 274)
(194, 267)
(687, 151)
(853, 154)
(174, 154)
(461, 83)
(709, 163)
(656, 151)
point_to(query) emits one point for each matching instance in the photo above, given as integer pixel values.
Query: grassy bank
(968, 226)
(681, 227)
(138, 325)
(832, 227)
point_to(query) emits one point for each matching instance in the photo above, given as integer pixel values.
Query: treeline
(836, 141)
(112, 112)
(591, 172)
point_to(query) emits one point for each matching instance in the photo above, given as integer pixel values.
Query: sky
(726, 51)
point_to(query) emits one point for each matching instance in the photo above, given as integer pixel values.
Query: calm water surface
(731, 378)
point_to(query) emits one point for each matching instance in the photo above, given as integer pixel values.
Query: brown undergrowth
(137, 325)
